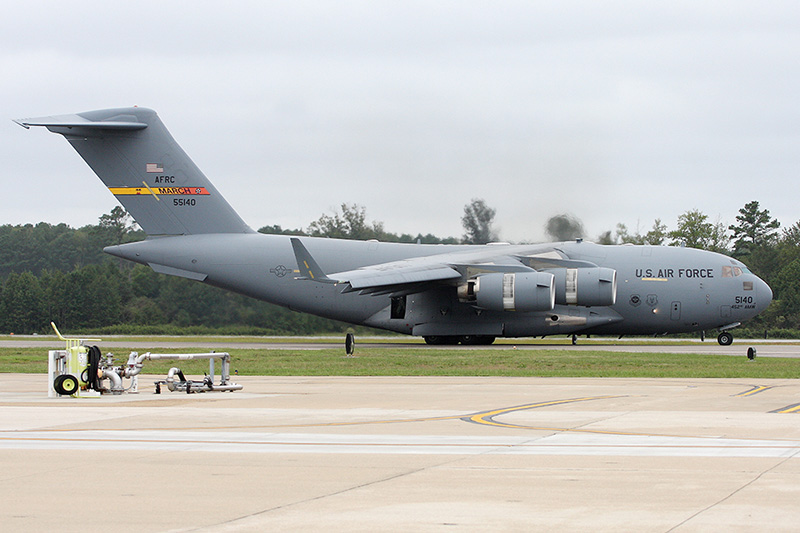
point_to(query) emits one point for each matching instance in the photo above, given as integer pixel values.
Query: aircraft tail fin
(135, 156)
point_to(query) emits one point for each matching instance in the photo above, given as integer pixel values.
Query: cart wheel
(65, 384)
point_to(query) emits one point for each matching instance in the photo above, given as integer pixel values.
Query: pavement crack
(233, 525)
(732, 494)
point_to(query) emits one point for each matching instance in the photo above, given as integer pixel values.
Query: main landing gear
(452, 340)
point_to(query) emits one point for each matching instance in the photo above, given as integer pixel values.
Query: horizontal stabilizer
(121, 122)
(179, 272)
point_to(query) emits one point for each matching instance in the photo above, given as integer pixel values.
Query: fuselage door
(675, 311)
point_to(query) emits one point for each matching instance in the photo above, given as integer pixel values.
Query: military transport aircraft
(444, 293)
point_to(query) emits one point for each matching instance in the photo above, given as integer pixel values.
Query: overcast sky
(611, 111)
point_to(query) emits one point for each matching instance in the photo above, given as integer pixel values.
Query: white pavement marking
(565, 443)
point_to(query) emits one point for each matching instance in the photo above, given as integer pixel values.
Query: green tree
(350, 224)
(144, 282)
(787, 293)
(791, 235)
(755, 229)
(695, 231)
(93, 297)
(116, 224)
(33, 248)
(144, 311)
(22, 304)
(657, 235)
(769, 260)
(624, 236)
(278, 230)
(432, 239)
(55, 287)
(477, 222)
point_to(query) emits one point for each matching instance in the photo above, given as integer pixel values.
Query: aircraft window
(747, 285)
(727, 272)
(737, 271)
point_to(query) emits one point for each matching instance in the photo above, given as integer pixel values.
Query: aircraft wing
(396, 277)
(415, 274)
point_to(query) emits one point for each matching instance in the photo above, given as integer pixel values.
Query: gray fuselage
(660, 289)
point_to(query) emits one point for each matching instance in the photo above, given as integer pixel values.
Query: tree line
(55, 272)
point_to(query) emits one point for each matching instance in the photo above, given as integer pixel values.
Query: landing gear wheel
(476, 340)
(574, 340)
(725, 339)
(65, 384)
(440, 340)
(349, 344)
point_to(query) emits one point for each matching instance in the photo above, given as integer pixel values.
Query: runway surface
(421, 454)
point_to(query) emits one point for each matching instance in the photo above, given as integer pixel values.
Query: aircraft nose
(763, 294)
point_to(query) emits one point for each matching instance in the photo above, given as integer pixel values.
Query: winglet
(308, 267)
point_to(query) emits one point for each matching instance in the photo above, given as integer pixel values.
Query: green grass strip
(427, 361)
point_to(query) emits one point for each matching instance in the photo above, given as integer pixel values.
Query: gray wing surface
(399, 276)
(415, 274)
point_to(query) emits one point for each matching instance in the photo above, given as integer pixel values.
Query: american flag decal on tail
(152, 168)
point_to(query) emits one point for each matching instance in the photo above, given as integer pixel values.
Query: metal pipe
(179, 356)
(135, 360)
(116, 380)
(224, 388)
(171, 374)
(135, 364)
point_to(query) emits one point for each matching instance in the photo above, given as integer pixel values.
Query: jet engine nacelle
(511, 291)
(585, 286)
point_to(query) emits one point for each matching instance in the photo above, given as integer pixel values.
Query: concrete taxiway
(421, 454)
(771, 348)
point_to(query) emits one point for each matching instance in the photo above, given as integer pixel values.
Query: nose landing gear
(725, 338)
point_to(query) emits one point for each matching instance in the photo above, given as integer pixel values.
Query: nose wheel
(725, 338)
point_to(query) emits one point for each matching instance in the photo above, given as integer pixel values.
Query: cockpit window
(731, 272)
